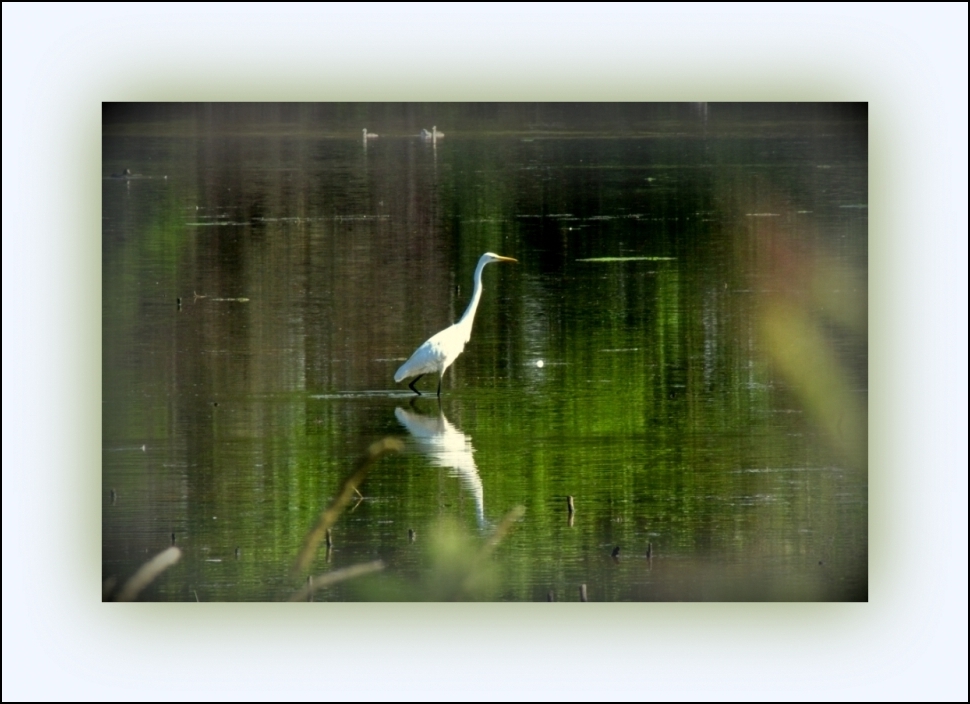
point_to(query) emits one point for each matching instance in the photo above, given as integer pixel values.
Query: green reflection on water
(702, 394)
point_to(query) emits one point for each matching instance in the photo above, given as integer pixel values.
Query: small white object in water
(540, 364)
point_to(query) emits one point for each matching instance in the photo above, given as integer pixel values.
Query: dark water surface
(682, 348)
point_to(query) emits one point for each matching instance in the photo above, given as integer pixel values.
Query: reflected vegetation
(682, 349)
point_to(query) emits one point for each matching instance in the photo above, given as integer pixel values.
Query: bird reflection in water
(447, 447)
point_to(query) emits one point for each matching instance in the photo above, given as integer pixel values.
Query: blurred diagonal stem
(344, 495)
(501, 530)
(329, 578)
(148, 572)
(803, 354)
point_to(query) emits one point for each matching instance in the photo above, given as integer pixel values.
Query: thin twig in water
(328, 578)
(347, 489)
(148, 572)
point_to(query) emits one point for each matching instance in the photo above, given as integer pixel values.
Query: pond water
(681, 348)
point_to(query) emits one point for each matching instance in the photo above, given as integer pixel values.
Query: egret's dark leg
(439, 385)
(414, 382)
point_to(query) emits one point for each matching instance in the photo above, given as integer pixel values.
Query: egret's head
(489, 257)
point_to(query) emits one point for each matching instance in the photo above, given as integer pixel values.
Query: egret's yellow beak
(507, 259)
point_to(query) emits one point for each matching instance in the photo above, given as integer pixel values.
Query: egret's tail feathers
(404, 371)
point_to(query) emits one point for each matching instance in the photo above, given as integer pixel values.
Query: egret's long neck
(469, 316)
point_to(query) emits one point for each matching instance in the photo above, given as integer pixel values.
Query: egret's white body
(438, 353)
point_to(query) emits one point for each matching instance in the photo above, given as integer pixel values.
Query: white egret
(437, 354)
